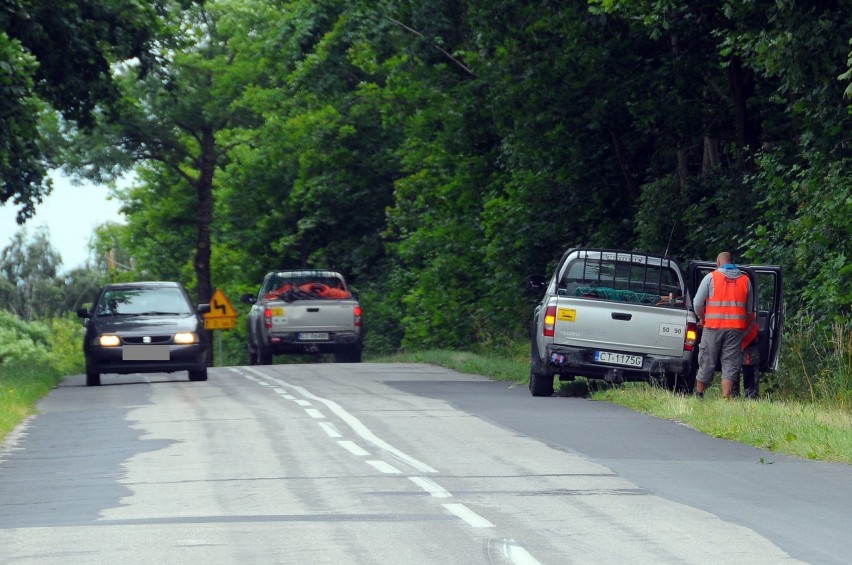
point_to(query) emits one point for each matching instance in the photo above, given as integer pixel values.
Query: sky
(71, 214)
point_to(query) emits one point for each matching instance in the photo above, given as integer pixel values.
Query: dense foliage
(438, 152)
(57, 55)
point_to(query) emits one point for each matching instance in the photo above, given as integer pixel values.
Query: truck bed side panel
(616, 326)
(314, 315)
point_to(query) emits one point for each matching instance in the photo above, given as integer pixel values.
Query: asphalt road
(373, 463)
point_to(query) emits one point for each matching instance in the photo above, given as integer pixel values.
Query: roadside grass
(809, 431)
(22, 384)
(818, 430)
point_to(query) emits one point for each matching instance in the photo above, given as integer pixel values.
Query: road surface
(393, 463)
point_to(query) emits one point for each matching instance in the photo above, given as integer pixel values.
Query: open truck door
(768, 282)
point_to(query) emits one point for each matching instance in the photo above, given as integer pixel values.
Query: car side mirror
(535, 284)
(203, 308)
(83, 313)
(248, 299)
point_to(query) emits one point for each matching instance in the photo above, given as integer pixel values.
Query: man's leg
(708, 353)
(728, 387)
(732, 360)
(751, 371)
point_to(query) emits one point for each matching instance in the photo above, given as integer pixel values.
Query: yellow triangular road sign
(220, 306)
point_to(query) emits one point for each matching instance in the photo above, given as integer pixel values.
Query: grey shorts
(724, 347)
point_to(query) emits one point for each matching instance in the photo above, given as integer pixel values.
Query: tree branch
(458, 63)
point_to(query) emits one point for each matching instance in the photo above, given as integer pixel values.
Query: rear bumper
(569, 362)
(289, 342)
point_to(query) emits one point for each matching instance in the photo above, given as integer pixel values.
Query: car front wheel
(93, 378)
(198, 374)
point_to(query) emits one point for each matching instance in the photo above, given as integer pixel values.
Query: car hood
(146, 324)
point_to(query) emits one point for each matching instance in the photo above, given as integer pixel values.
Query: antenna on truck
(666, 254)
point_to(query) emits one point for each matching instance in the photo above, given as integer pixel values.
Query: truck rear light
(691, 336)
(267, 318)
(357, 313)
(549, 321)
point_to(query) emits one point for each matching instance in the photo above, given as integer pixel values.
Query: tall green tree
(30, 285)
(173, 129)
(59, 53)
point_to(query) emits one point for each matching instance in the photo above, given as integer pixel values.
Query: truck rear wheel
(541, 380)
(264, 354)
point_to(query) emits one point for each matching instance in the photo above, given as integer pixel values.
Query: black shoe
(699, 395)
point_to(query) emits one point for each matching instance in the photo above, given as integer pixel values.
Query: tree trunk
(204, 192)
(742, 88)
(624, 165)
(682, 168)
(711, 159)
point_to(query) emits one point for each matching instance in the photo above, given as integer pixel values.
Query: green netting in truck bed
(607, 293)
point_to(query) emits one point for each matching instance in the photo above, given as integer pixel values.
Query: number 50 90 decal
(671, 330)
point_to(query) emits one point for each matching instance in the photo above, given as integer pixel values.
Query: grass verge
(808, 430)
(21, 386)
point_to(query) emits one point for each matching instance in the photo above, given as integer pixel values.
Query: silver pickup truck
(625, 316)
(305, 311)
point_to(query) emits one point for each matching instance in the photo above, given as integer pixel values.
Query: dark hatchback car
(144, 327)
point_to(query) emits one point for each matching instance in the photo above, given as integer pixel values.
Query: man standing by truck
(724, 303)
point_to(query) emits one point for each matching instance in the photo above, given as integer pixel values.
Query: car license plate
(618, 358)
(313, 336)
(145, 353)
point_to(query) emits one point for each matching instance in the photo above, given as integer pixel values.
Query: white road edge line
(362, 430)
(431, 487)
(468, 515)
(357, 426)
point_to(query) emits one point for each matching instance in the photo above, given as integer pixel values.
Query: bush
(56, 343)
(816, 364)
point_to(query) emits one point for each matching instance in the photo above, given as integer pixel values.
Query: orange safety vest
(726, 308)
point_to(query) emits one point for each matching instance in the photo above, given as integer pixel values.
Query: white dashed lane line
(330, 430)
(353, 448)
(472, 518)
(431, 487)
(383, 467)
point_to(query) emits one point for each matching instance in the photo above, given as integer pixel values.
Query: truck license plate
(313, 336)
(618, 358)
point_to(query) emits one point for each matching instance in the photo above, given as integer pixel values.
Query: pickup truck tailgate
(623, 327)
(325, 315)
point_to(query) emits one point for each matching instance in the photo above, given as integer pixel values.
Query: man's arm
(699, 301)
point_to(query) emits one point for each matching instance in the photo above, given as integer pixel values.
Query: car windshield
(143, 301)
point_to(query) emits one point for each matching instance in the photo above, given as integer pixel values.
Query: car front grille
(141, 339)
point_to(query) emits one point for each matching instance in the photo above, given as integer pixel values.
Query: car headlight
(109, 341)
(185, 338)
